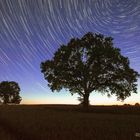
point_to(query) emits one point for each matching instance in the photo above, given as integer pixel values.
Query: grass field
(65, 122)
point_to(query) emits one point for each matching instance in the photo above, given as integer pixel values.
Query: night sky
(32, 30)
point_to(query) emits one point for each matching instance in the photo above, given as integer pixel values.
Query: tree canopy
(89, 64)
(9, 92)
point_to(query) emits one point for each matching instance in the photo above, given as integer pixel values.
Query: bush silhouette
(137, 104)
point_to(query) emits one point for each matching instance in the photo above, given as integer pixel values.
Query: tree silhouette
(9, 92)
(90, 64)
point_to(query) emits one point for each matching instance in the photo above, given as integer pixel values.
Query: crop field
(69, 122)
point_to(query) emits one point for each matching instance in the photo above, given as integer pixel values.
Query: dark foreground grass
(61, 122)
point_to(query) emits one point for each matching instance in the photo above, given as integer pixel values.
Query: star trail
(32, 30)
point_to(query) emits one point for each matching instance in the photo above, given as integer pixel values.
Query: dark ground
(68, 122)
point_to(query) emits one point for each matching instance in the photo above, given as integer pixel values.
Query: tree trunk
(5, 100)
(86, 101)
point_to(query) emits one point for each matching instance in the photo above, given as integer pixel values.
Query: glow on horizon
(95, 99)
(103, 102)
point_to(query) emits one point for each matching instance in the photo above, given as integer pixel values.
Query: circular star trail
(32, 30)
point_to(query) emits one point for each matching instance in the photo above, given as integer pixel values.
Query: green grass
(60, 122)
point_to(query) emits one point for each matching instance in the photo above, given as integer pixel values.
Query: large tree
(89, 64)
(9, 92)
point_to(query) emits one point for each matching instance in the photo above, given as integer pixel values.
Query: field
(67, 122)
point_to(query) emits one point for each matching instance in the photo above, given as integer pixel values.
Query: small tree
(9, 92)
(90, 64)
